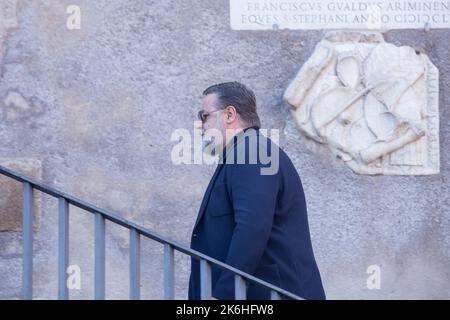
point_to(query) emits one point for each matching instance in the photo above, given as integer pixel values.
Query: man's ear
(231, 114)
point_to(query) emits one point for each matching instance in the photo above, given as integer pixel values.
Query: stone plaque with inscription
(374, 104)
(334, 14)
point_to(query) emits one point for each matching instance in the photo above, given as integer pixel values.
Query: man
(253, 220)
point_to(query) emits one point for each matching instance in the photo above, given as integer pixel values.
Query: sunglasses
(203, 115)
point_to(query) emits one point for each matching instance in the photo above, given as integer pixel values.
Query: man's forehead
(209, 101)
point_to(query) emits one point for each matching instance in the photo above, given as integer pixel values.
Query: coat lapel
(232, 144)
(208, 193)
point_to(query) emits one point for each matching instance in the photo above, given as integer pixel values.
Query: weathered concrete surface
(106, 99)
(11, 198)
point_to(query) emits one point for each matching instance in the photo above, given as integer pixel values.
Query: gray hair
(237, 95)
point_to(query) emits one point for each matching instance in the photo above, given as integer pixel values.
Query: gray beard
(210, 147)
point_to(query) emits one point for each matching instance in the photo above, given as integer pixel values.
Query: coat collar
(236, 140)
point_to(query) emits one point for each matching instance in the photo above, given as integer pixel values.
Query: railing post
(205, 280)
(135, 265)
(99, 257)
(27, 238)
(169, 272)
(63, 248)
(240, 288)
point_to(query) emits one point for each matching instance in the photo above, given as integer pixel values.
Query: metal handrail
(136, 231)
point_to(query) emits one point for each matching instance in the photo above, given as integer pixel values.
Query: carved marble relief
(374, 104)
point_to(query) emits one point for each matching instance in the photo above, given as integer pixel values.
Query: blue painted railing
(136, 231)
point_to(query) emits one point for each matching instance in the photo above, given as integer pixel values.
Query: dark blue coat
(256, 223)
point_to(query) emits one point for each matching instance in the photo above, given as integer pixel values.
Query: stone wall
(96, 106)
